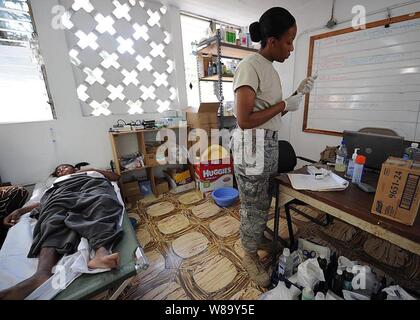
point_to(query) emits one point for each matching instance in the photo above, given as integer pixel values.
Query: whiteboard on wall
(366, 78)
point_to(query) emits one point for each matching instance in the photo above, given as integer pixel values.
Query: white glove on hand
(306, 85)
(293, 102)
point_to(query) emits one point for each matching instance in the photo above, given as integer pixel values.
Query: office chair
(287, 163)
(382, 131)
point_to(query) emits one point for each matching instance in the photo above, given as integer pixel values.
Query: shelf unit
(141, 147)
(216, 47)
(227, 50)
(216, 78)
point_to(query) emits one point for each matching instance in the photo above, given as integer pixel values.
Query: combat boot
(256, 271)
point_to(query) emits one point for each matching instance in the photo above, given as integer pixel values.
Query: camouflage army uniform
(255, 190)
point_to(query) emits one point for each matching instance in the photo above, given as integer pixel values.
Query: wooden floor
(194, 250)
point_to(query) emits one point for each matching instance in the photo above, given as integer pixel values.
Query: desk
(353, 206)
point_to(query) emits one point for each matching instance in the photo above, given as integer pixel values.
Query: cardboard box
(131, 192)
(133, 199)
(179, 180)
(205, 117)
(162, 186)
(180, 177)
(152, 147)
(183, 188)
(150, 160)
(211, 176)
(131, 189)
(398, 192)
(180, 188)
(145, 187)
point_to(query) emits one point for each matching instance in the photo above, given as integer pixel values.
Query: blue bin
(225, 197)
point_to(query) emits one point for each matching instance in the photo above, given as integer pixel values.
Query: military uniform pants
(255, 183)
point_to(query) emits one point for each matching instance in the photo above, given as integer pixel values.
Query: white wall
(318, 12)
(27, 151)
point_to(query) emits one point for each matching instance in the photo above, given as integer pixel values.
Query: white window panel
(133, 42)
(24, 95)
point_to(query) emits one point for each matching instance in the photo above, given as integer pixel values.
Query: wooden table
(353, 206)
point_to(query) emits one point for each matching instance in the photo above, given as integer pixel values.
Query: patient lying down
(81, 203)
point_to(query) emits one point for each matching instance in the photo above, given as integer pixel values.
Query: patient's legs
(103, 259)
(48, 258)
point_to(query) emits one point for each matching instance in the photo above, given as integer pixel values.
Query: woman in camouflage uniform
(259, 107)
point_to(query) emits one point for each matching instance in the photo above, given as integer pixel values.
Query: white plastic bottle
(223, 34)
(372, 283)
(244, 38)
(358, 169)
(248, 38)
(285, 269)
(340, 160)
(307, 294)
(350, 166)
(410, 152)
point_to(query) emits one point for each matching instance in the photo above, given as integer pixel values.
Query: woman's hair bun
(255, 32)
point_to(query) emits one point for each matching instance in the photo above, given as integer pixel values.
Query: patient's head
(63, 170)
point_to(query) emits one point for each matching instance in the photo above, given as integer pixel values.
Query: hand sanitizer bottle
(285, 267)
(350, 167)
(358, 169)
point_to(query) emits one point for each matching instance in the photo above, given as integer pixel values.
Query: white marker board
(366, 78)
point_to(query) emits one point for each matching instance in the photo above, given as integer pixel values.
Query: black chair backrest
(287, 157)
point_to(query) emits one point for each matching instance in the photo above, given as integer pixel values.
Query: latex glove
(306, 85)
(293, 102)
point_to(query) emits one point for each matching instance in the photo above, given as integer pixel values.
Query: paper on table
(331, 182)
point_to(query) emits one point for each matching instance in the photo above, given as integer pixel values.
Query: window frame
(218, 23)
(43, 71)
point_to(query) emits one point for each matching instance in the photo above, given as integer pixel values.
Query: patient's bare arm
(14, 217)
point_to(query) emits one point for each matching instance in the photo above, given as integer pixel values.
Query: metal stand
(276, 232)
(220, 77)
(292, 245)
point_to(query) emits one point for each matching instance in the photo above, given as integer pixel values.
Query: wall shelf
(116, 133)
(136, 169)
(215, 78)
(149, 159)
(215, 47)
(228, 50)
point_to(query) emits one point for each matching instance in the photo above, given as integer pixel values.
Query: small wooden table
(352, 206)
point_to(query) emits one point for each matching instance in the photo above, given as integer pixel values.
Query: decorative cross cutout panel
(121, 50)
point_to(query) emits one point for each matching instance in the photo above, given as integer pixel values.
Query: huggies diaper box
(214, 169)
(210, 176)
